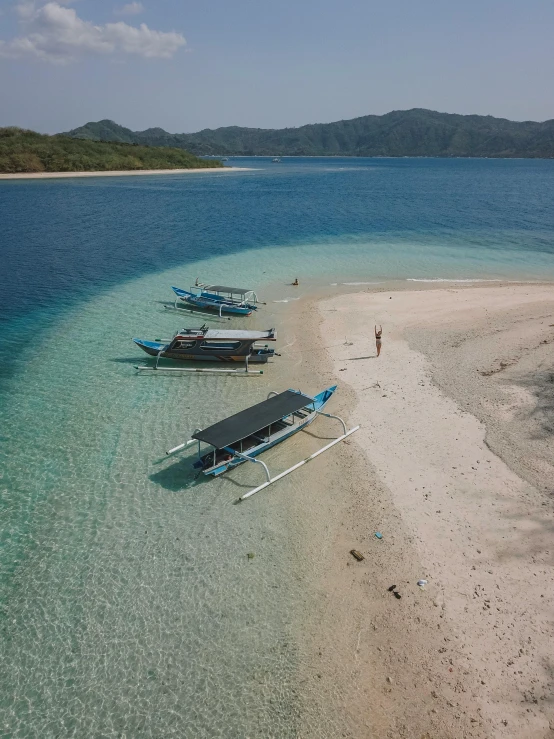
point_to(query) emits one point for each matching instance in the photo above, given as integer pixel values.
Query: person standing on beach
(378, 339)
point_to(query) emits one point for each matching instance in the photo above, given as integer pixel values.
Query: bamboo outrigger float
(244, 436)
(178, 308)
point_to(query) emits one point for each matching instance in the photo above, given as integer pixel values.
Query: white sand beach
(116, 173)
(454, 467)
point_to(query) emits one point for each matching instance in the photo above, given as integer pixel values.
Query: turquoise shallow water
(129, 607)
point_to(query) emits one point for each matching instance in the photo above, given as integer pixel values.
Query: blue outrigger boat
(211, 345)
(219, 298)
(245, 435)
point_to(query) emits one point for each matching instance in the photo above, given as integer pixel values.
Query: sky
(184, 65)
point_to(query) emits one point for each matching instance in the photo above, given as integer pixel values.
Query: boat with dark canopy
(245, 435)
(219, 298)
(213, 345)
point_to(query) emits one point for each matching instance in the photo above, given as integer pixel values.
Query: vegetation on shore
(27, 151)
(416, 132)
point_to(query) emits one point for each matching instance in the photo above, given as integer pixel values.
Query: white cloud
(55, 33)
(130, 9)
(25, 8)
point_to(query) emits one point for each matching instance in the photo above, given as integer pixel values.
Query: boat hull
(320, 401)
(215, 304)
(155, 349)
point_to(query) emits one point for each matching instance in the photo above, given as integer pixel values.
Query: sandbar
(454, 468)
(116, 173)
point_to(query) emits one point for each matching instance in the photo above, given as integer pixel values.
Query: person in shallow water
(378, 339)
(295, 281)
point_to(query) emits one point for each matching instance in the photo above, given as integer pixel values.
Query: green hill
(416, 132)
(27, 151)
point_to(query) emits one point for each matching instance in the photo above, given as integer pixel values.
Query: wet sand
(454, 467)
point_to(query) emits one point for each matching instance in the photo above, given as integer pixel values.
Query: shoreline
(449, 404)
(116, 173)
(347, 659)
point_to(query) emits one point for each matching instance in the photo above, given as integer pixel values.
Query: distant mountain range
(411, 133)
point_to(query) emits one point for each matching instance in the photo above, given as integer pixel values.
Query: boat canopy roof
(231, 290)
(252, 419)
(229, 334)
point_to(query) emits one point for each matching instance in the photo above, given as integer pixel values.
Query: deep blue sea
(128, 605)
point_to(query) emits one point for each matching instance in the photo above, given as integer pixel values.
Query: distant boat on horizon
(277, 160)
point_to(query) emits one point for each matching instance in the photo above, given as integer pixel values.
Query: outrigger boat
(244, 436)
(212, 345)
(230, 300)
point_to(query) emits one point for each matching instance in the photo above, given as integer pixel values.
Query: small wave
(285, 300)
(346, 169)
(334, 284)
(445, 279)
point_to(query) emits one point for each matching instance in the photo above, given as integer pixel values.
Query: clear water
(129, 606)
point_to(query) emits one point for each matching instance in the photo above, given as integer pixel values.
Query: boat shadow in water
(242, 486)
(165, 364)
(318, 436)
(177, 477)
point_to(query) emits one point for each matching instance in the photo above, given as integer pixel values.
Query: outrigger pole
(213, 316)
(238, 372)
(183, 446)
(241, 372)
(271, 480)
